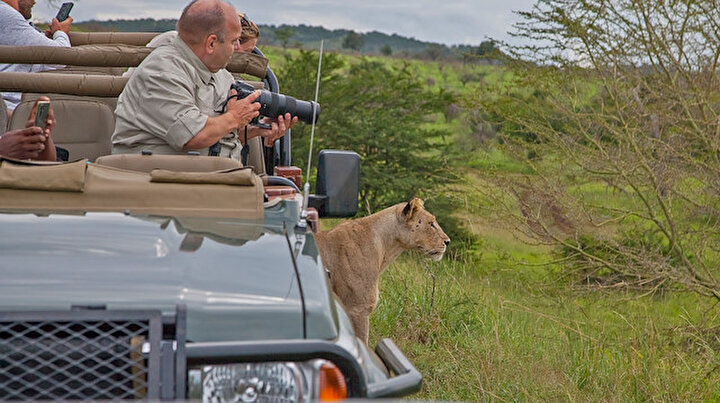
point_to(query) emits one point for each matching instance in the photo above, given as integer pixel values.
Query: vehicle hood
(236, 278)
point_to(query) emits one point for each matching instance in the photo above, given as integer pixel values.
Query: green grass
(493, 160)
(494, 330)
(503, 324)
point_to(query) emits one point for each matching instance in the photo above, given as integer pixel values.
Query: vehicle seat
(111, 102)
(83, 127)
(177, 163)
(3, 116)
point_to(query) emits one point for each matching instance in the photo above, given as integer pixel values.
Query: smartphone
(41, 115)
(64, 11)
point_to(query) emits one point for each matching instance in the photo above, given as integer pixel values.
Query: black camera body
(273, 104)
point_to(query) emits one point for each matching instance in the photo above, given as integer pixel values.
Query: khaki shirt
(167, 101)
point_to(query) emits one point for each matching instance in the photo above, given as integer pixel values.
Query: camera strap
(245, 150)
(214, 150)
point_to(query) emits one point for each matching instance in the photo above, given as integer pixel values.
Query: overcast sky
(449, 22)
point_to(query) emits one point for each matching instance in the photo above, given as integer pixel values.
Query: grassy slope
(501, 325)
(498, 330)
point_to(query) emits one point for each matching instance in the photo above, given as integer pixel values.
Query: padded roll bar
(57, 83)
(127, 38)
(114, 55)
(94, 55)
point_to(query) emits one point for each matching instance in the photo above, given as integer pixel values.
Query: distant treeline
(308, 37)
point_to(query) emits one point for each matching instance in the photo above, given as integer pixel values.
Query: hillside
(310, 37)
(305, 36)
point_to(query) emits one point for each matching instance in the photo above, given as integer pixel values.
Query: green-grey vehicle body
(240, 281)
(226, 293)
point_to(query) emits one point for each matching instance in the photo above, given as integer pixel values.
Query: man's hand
(279, 126)
(56, 25)
(238, 114)
(32, 142)
(243, 110)
(23, 144)
(50, 120)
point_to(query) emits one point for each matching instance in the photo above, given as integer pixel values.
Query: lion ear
(412, 208)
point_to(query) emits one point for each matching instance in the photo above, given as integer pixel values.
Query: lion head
(420, 230)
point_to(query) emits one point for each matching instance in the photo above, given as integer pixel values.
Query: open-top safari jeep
(168, 277)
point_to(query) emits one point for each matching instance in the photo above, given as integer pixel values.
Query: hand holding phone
(62, 21)
(41, 114)
(64, 11)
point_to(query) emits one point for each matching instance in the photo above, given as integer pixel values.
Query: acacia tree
(377, 111)
(353, 41)
(623, 95)
(434, 51)
(284, 34)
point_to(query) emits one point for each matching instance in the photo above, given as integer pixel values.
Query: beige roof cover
(177, 163)
(82, 187)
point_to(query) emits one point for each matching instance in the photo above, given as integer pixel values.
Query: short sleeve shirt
(168, 100)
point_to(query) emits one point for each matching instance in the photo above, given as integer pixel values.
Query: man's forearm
(216, 127)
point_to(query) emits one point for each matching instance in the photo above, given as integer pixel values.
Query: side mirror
(338, 184)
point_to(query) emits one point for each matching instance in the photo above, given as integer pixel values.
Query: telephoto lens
(273, 104)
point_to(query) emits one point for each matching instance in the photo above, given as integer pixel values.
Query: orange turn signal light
(332, 383)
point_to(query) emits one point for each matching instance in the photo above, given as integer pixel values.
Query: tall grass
(501, 324)
(491, 330)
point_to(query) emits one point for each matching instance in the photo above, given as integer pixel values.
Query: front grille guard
(92, 354)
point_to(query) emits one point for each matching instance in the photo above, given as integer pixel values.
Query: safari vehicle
(169, 277)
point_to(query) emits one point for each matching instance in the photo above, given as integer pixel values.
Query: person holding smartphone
(34, 141)
(15, 30)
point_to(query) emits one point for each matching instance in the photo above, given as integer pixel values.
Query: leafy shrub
(380, 112)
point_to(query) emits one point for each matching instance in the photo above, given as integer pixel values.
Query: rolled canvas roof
(86, 187)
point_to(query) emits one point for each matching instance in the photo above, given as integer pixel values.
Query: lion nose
(447, 242)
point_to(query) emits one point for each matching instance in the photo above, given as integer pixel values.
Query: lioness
(357, 251)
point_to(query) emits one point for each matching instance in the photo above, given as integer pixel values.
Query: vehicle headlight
(267, 382)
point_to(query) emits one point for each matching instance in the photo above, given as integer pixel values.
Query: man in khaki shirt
(170, 103)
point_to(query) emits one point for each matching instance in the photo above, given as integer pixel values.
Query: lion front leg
(360, 319)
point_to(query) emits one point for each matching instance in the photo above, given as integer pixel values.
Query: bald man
(170, 104)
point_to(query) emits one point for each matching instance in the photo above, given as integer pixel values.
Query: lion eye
(432, 224)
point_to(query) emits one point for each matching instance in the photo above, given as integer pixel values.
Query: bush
(606, 100)
(380, 112)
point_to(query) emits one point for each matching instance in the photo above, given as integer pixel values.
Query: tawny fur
(357, 251)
